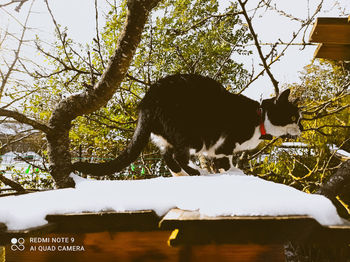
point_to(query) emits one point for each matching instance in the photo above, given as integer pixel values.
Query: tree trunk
(338, 185)
(91, 100)
(60, 157)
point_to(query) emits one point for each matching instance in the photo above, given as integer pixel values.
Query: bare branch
(16, 186)
(16, 140)
(11, 67)
(98, 96)
(264, 148)
(319, 116)
(203, 21)
(109, 126)
(18, 7)
(304, 26)
(258, 47)
(61, 36)
(98, 37)
(137, 80)
(281, 12)
(25, 120)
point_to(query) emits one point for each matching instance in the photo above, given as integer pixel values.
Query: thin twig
(258, 47)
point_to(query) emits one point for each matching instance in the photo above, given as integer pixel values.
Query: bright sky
(79, 17)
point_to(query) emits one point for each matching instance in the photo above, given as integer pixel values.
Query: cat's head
(282, 116)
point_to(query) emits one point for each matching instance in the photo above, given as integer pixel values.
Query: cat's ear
(267, 104)
(283, 97)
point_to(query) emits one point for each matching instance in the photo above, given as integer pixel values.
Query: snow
(343, 153)
(339, 151)
(230, 194)
(294, 144)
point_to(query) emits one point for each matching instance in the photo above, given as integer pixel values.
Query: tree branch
(91, 100)
(25, 120)
(258, 47)
(5, 77)
(11, 183)
(94, 98)
(337, 185)
(18, 8)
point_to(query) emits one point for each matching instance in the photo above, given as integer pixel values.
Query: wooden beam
(88, 222)
(331, 31)
(333, 52)
(105, 221)
(195, 229)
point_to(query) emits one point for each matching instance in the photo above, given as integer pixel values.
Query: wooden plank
(105, 221)
(331, 31)
(334, 52)
(88, 222)
(193, 229)
(332, 235)
(146, 246)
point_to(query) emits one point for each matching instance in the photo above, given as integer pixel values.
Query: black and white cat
(190, 114)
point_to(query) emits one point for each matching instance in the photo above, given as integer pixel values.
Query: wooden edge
(190, 228)
(103, 213)
(313, 30)
(105, 221)
(173, 214)
(176, 218)
(322, 21)
(144, 220)
(319, 46)
(333, 52)
(332, 20)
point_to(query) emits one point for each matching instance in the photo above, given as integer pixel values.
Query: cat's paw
(235, 171)
(181, 173)
(203, 172)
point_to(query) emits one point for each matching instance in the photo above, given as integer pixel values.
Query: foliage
(184, 37)
(33, 179)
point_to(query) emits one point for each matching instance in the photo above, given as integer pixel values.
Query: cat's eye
(294, 118)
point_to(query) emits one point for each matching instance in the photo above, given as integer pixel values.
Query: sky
(79, 17)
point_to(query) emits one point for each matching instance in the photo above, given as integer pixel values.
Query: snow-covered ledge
(230, 194)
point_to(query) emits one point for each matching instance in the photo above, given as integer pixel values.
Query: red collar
(262, 126)
(264, 136)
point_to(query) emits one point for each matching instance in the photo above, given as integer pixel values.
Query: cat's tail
(137, 144)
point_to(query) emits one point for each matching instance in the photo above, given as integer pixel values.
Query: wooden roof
(333, 34)
(145, 220)
(189, 227)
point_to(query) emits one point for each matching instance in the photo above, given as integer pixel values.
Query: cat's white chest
(250, 144)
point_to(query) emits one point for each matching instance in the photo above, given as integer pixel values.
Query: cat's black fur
(195, 114)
